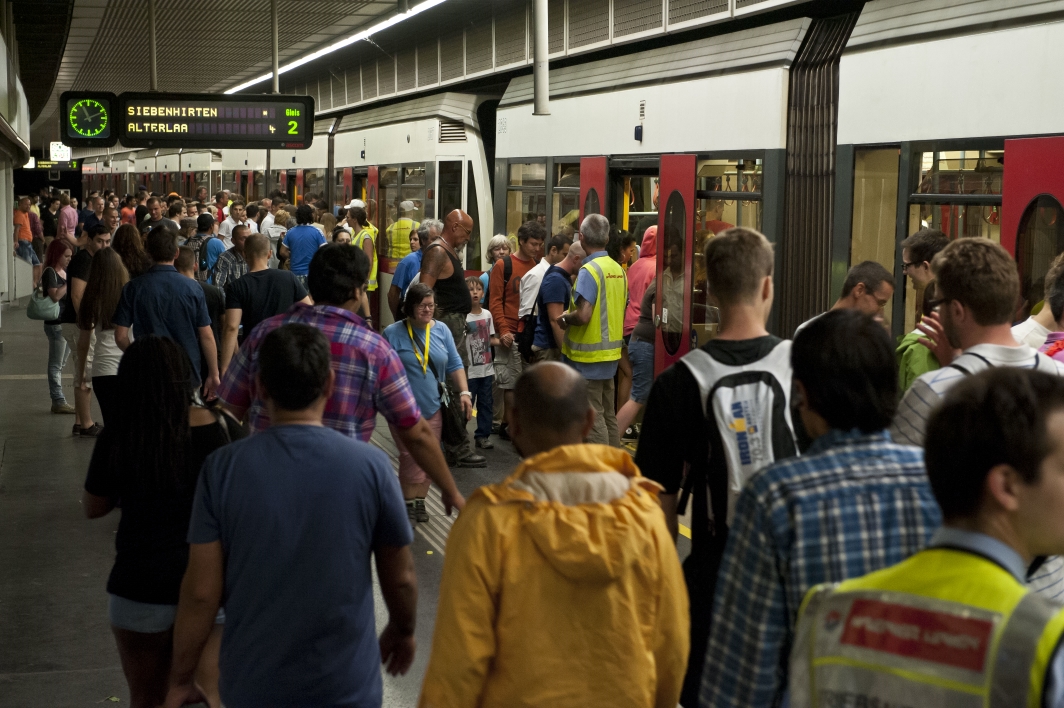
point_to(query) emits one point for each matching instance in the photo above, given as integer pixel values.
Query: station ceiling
(202, 45)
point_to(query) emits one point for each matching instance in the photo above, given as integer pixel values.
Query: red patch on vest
(918, 634)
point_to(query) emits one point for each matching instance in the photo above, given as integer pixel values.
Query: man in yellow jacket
(960, 623)
(561, 587)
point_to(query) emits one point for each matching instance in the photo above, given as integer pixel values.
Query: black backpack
(202, 271)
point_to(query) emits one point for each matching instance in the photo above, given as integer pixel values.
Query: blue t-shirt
(406, 270)
(298, 510)
(166, 303)
(303, 241)
(554, 288)
(587, 289)
(215, 248)
(444, 357)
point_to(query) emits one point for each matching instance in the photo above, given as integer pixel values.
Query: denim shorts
(144, 617)
(641, 354)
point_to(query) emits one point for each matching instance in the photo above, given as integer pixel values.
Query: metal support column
(541, 71)
(151, 44)
(276, 87)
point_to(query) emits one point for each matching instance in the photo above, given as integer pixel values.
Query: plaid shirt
(369, 375)
(230, 266)
(854, 504)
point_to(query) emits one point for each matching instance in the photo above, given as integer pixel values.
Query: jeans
(481, 390)
(57, 358)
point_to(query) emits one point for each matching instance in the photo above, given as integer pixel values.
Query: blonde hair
(499, 240)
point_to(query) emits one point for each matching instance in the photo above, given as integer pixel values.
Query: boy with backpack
(481, 372)
(722, 412)
(206, 246)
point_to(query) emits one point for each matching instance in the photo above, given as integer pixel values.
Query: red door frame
(592, 176)
(677, 174)
(348, 186)
(1032, 168)
(299, 182)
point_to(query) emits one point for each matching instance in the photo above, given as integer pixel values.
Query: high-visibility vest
(359, 240)
(942, 629)
(601, 338)
(399, 237)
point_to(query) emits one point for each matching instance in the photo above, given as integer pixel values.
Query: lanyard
(423, 361)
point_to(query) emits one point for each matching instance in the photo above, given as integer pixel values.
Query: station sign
(52, 165)
(188, 120)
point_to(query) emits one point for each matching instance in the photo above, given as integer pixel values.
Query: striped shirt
(369, 375)
(855, 503)
(910, 422)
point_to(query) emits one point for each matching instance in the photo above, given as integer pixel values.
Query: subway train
(837, 137)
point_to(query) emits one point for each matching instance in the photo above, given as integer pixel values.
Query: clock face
(89, 118)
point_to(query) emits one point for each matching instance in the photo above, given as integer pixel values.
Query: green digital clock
(87, 118)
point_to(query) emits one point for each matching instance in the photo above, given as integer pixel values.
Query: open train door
(1032, 219)
(592, 186)
(672, 303)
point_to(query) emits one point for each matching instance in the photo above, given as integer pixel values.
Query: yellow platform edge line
(684, 531)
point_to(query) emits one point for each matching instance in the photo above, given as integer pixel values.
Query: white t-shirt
(1031, 333)
(106, 354)
(478, 344)
(530, 283)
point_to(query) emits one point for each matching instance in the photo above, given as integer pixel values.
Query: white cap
(406, 206)
(356, 203)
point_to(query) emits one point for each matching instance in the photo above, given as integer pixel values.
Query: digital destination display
(147, 120)
(213, 120)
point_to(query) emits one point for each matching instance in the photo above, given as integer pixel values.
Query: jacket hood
(649, 247)
(579, 506)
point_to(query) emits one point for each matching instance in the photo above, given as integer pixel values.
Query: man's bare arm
(433, 265)
(229, 333)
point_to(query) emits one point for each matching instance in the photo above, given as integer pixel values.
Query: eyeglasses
(463, 227)
(425, 308)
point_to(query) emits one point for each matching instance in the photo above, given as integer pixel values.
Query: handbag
(454, 422)
(41, 306)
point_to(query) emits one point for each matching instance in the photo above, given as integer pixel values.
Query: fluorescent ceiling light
(346, 41)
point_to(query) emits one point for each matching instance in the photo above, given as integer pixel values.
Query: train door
(592, 186)
(298, 192)
(1031, 213)
(675, 272)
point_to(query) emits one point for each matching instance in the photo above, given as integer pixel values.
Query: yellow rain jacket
(561, 588)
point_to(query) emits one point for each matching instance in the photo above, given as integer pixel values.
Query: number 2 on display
(292, 127)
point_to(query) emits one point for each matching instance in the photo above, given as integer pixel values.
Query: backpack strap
(980, 357)
(507, 273)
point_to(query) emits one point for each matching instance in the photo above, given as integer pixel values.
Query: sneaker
(76, 430)
(485, 444)
(630, 433)
(420, 512)
(91, 431)
(473, 461)
(63, 407)
(504, 432)
(411, 511)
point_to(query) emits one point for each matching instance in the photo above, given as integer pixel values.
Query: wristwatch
(465, 393)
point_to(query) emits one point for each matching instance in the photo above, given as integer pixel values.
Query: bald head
(457, 226)
(550, 408)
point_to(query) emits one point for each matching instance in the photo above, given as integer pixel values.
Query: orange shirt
(506, 317)
(128, 215)
(23, 219)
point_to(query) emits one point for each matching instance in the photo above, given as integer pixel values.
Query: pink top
(640, 275)
(1054, 346)
(67, 221)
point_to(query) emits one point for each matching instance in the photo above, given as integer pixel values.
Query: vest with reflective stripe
(600, 338)
(942, 629)
(359, 240)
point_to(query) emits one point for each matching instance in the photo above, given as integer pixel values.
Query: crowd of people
(873, 523)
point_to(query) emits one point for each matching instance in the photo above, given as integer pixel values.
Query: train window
(875, 207)
(526, 196)
(565, 196)
(449, 192)
(388, 202)
(671, 286)
(1039, 241)
(313, 183)
(961, 172)
(473, 257)
(591, 202)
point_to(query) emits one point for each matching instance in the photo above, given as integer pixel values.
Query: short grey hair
(499, 240)
(428, 225)
(595, 228)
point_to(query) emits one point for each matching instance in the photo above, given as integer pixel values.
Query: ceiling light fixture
(345, 42)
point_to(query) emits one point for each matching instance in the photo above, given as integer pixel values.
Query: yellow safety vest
(601, 338)
(943, 629)
(359, 240)
(399, 237)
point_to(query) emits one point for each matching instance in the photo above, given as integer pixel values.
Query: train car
(946, 121)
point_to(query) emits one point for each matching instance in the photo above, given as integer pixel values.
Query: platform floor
(56, 647)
